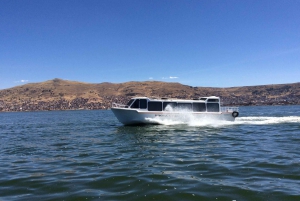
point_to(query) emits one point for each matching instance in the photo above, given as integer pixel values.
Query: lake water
(89, 155)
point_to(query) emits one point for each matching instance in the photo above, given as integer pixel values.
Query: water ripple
(88, 155)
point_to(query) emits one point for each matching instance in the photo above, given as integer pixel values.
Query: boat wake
(267, 120)
(255, 120)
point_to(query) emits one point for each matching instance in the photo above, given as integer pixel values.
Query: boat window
(154, 106)
(136, 104)
(169, 106)
(213, 107)
(129, 103)
(184, 106)
(213, 100)
(143, 103)
(199, 107)
(203, 99)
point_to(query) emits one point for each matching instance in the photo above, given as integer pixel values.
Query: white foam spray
(192, 120)
(185, 117)
(189, 119)
(267, 120)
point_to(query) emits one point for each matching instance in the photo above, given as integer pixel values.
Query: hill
(58, 94)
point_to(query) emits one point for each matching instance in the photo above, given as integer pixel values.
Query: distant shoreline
(49, 106)
(58, 94)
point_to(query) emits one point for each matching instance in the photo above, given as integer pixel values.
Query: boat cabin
(204, 104)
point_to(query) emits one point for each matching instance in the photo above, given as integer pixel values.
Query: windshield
(130, 102)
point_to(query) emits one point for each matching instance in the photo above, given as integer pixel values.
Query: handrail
(117, 105)
(222, 109)
(229, 109)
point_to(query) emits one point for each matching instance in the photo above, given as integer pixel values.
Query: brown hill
(58, 94)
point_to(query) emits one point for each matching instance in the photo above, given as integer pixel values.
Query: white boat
(144, 110)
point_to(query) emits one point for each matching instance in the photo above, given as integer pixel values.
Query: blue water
(89, 155)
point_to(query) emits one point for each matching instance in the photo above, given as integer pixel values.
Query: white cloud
(171, 77)
(23, 81)
(150, 78)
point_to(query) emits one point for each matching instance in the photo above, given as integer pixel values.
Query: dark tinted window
(136, 104)
(184, 106)
(154, 106)
(213, 107)
(213, 100)
(143, 103)
(199, 107)
(129, 103)
(173, 105)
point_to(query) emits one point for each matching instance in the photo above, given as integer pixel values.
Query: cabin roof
(175, 99)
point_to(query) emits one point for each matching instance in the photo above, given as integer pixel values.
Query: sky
(204, 43)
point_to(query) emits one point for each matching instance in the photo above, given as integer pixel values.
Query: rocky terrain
(58, 94)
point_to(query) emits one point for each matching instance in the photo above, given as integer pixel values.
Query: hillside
(58, 94)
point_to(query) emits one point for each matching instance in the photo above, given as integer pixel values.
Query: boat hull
(129, 116)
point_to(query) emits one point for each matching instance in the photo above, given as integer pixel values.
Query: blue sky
(214, 43)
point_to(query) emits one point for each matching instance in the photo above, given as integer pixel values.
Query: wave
(267, 120)
(254, 120)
